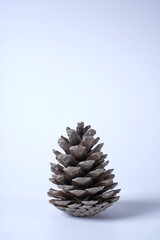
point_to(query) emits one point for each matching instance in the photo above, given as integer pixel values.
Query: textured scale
(85, 187)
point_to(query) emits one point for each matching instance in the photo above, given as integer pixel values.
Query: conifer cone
(86, 187)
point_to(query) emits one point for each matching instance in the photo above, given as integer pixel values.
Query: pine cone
(81, 175)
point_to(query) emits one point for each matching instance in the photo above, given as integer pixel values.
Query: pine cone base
(87, 188)
(84, 210)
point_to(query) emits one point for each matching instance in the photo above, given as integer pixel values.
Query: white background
(62, 62)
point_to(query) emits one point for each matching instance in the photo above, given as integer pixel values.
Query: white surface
(34, 219)
(67, 61)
